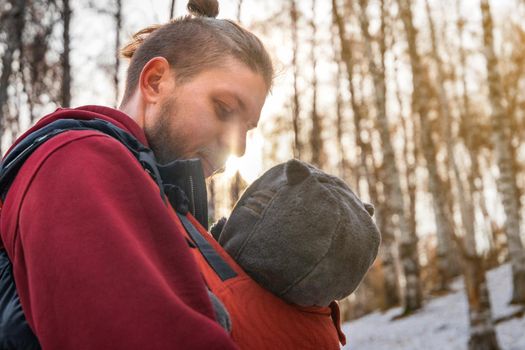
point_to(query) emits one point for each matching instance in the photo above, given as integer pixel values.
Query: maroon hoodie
(98, 261)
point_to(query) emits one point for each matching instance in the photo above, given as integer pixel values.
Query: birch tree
(31, 74)
(212, 212)
(421, 94)
(383, 208)
(466, 132)
(297, 145)
(237, 186)
(239, 10)
(172, 8)
(316, 140)
(410, 135)
(392, 179)
(506, 182)
(118, 27)
(482, 333)
(445, 223)
(66, 67)
(340, 122)
(14, 27)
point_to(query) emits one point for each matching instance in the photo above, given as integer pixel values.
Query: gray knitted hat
(302, 234)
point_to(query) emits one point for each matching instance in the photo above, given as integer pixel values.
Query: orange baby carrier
(260, 320)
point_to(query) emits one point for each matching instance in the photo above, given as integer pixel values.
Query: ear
(296, 171)
(216, 228)
(369, 208)
(155, 78)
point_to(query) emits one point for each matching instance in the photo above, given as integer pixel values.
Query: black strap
(18, 155)
(15, 333)
(221, 268)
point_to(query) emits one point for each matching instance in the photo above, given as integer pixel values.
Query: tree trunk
(172, 9)
(392, 182)
(420, 98)
(66, 67)
(316, 141)
(14, 29)
(506, 182)
(239, 8)
(383, 217)
(410, 156)
(340, 122)
(212, 215)
(410, 151)
(475, 180)
(446, 222)
(482, 332)
(297, 147)
(118, 28)
(236, 188)
(339, 110)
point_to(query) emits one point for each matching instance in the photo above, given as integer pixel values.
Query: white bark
(316, 140)
(297, 148)
(395, 199)
(383, 210)
(506, 183)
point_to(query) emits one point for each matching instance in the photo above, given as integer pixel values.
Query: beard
(161, 136)
(168, 143)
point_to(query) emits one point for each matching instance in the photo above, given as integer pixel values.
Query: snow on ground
(441, 324)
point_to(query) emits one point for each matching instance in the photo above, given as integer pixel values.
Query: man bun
(203, 8)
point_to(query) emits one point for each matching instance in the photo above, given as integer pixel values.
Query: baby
(302, 234)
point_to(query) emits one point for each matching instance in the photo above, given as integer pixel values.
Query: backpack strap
(14, 330)
(19, 154)
(221, 267)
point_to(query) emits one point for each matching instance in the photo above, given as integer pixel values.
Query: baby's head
(302, 234)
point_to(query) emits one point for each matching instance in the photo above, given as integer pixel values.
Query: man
(98, 261)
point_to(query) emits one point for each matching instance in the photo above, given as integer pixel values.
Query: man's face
(208, 116)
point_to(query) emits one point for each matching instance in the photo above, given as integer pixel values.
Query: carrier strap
(221, 267)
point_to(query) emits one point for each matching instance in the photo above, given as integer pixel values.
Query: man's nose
(237, 141)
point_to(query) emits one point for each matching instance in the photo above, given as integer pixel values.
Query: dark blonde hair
(194, 43)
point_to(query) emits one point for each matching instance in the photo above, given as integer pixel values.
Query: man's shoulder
(74, 146)
(72, 156)
(67, 166)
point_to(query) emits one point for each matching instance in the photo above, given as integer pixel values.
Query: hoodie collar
(119, 118)
(114, 116)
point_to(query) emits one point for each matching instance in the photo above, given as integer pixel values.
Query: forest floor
(441, 324)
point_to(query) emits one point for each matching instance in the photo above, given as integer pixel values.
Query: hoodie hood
(114, 116)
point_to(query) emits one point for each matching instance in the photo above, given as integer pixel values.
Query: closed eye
(223, 111)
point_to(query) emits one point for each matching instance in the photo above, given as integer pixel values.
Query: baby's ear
(369, 208)
(217, 227)
(296, 171)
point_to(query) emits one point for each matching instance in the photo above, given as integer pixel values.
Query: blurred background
(418, 104)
